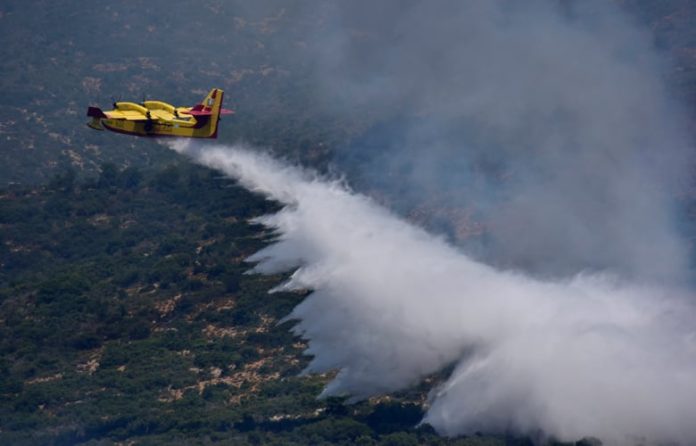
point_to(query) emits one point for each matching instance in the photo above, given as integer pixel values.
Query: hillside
(126, 317)
(60, 56)
(126, 312)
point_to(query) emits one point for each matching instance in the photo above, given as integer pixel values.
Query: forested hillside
(61, 56)
(126, 316)
(127, 313)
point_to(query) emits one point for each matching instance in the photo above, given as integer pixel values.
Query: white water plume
(587, 356)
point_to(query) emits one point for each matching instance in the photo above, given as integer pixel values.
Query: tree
(109, 176)
(64, 182)
(130, 178)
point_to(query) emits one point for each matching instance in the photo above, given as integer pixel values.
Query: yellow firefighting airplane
(156, 119)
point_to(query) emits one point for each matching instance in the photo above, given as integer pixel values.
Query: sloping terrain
(126, 317)
(125, 313)
(58, 57)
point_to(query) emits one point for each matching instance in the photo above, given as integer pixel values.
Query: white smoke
(548, 120)
(587, 356)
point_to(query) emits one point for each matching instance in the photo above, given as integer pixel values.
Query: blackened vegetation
(125, 315)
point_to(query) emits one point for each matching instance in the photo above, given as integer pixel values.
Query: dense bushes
(128, 317)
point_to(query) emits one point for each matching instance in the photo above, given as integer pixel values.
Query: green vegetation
(125, 315)
(60, 56)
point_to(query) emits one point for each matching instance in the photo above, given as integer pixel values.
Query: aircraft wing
(200, 110)
(128, 115)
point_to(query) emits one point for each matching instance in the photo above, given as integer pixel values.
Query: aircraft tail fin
(211, 107)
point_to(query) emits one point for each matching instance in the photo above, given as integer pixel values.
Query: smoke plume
(548, 121)
(586, 356)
